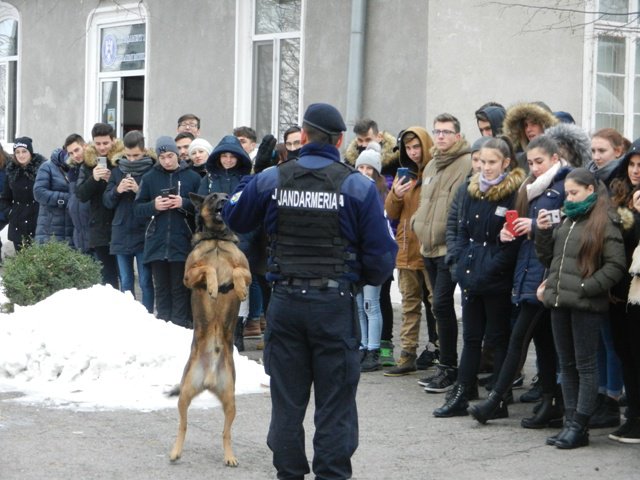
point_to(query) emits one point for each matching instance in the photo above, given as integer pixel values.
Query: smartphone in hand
(511, 216)
(403, 174)
(102, 161)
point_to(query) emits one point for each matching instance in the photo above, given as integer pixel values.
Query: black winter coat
(168, 233)
(51, 191)
(127, 229)
(17, 199)
(79, 211)
(485, 266)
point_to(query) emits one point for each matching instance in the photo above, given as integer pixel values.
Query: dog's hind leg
(228, 400)
(187, 393)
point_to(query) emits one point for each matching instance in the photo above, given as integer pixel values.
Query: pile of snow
(99, 349)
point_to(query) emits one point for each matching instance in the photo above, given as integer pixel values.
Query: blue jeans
(609, 367)
(125, 266)
(370, 316)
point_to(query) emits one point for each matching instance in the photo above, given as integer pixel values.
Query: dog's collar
(226, 288)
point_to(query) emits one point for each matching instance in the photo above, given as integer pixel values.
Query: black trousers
(387, 310)
(312, 338)
(443, 309)
(109, 266)
(534, 321)
(625, 329)
(173, 299)
(483, 314)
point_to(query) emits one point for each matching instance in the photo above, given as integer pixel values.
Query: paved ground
(399, 439)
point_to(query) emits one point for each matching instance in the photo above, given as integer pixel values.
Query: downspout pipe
(355, 74)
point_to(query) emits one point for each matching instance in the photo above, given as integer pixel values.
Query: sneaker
(443, 381)
(406, 365)
(424, 381)
(252, 328)
(629, 432)
(386, 354)
(428, 358)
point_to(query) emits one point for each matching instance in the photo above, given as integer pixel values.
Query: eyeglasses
(188, 125)
(444, 133)
(295, 143)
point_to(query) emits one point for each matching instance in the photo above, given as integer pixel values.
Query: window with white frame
(617, 67)
(8, 71)
(116, 68)
(274, 70)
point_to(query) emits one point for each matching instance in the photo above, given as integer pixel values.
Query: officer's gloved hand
(264, 157)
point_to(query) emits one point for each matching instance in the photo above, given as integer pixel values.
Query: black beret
(325, 118)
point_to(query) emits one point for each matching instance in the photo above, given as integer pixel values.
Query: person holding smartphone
(543, 189)
(169, 226)
(99, 158)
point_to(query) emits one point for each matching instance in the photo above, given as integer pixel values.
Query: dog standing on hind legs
(217, 273)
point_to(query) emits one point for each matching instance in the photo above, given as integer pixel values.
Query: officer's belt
(309, 283)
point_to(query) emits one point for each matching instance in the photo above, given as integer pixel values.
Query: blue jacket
(79, 211)
(485, 266)
(219, 179)
(529, 272)
(168, 233)
(127, 229)
(361, 217)
(51, 191)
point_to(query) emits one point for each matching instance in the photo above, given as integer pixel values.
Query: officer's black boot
(238, 334)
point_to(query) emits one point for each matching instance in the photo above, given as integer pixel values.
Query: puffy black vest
(309, 243)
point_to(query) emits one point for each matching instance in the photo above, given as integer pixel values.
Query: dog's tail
(174, 392)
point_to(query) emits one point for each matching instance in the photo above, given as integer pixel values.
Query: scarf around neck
(137, 167)
(540, 184)
(485, 184)
(574, 210)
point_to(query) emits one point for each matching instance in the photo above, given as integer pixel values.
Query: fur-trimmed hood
(574, 140)
(513, 125)
(506, 187)
(627, 219)
(387, 155)
(91, 154)
(29, 170)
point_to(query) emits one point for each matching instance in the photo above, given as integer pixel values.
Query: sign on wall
(122, 48)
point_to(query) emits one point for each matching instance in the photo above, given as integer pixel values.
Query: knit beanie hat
(202, 144)
(24, 142)
(166, 144)
(371, 157)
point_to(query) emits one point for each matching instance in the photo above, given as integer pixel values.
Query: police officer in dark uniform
(327, 235)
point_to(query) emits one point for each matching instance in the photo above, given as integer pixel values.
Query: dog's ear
(196, 199)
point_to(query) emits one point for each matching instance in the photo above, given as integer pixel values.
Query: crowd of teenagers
(537, 222)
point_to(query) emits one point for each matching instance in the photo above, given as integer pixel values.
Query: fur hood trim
(513, 125)
(387, 154)
(626, 218)
(508, 186)
(30, 170)
(575, 140)
(91, 154)
(634, 270)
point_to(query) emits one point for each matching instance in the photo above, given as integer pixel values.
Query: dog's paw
(231, 461)
(175, 456)
(241, 293)
(213, 293)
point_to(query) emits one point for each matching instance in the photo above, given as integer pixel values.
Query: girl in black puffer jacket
(485, 267)
(585, 257)
(17, 195)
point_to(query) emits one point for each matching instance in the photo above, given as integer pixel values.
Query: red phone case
(511, 216)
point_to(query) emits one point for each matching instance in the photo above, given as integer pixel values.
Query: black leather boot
(568, 415)
(486, 409)
(548, 415)
(577, 434)
(456, 405)
(238, 334)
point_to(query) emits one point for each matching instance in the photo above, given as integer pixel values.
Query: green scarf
(574, 210)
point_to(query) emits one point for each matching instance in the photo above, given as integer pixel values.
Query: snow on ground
(97, 349)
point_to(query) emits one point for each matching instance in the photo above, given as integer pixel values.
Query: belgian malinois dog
(217, 273)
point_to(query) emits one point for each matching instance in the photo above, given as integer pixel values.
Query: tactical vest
(308, 243)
